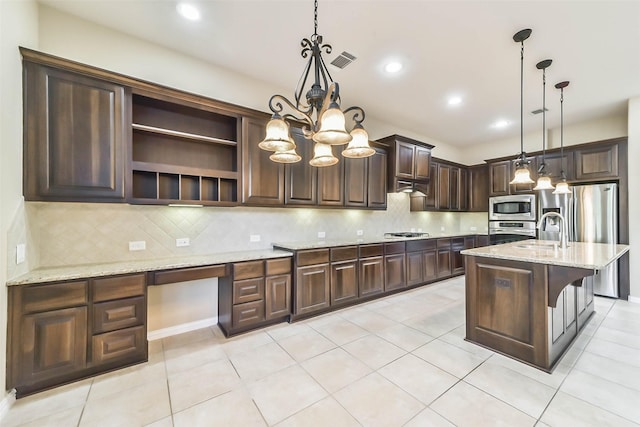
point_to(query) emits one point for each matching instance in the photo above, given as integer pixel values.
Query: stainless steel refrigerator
(592, 213)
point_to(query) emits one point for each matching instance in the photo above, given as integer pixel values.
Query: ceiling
(451, 47)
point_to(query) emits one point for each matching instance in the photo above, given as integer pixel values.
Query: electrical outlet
(21, 253)
(321, 234)
(441, 228)
(138, 245)
(473, 228)
(254, 238)
(359, 232)
(183, 242)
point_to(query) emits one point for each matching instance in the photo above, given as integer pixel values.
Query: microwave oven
(521, 207)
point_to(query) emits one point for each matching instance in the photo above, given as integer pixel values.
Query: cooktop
(405, 234)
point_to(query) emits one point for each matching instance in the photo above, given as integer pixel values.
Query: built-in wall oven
(512, 218)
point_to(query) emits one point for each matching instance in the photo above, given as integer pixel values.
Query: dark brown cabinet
(301, 179)
(444, 258)
(457, 259)
(182, 151)
(75, 132)
(444, 187)
(421, 261)
(408, 161)
(331, 185)
(344, 275)
(501, 174)
(312, 282)
(253, 294)
(355, 182)
(463, 189)
(65, 331)
(478, 188)
(377, 180)
(600, 162)
(371, 269)
(263, 180)
(554, 164)
(394, 266)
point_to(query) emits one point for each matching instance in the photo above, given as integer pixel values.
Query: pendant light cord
(562, 133)
(315, 18)
(544, 116)
(521, 99)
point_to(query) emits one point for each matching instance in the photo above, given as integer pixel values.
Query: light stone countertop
(593, 256)
(332, 243)
(70, 272)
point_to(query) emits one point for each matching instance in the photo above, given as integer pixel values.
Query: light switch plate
(254, 238)
(359, 233)
(138, 245)
(321, 234)
(21, 253)
(184, 241)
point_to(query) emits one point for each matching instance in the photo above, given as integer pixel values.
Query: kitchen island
(527, 300)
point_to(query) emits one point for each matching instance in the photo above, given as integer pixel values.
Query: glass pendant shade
(277, 136)
(332, 127)
(544, 183)
(288, 156)
(522, 175)
(322, 155)
(562, 188)
(359, 145)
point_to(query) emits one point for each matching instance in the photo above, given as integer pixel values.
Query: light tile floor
(397, 361)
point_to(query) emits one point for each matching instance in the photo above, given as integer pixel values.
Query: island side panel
(506, 308)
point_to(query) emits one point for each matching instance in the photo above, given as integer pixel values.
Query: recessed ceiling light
(500, 124)
(454, 100)
(188, 11)
(393, 67)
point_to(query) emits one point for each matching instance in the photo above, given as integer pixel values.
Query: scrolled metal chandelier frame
(321, 100)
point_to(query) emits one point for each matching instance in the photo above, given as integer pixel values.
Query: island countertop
(593, 256)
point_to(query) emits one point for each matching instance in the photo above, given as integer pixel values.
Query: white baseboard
(635, 300)
(5, 404)
(180, 329)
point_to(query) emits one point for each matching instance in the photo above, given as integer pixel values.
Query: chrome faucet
(563, 231)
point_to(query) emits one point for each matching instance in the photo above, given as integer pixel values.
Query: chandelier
(319, 110)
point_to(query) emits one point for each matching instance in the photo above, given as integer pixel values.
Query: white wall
(634, 197)
(18, 26)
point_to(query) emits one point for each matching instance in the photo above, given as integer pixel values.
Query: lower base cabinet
(254, 294)
(60, 332)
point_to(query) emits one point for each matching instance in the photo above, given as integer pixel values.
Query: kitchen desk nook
(527, 300)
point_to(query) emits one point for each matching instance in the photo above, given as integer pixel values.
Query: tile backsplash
(81, 233)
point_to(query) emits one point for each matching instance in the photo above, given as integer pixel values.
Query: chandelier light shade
(562, 187)
(278, 137)
(544, 181)
(317, 105)
(359, 145)
(323, 155)
(522, 174)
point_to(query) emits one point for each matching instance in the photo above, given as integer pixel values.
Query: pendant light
(544, 181)
(522, 174)
(562, 187)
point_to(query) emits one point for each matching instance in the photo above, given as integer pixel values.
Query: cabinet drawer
(457, 243)
(444, 243)
(247, 314)
(185, 274)
(394, 248)
(52, 297)
(367, 251)
(311, 257)
(111, 288)
(421, 245)
(278, 266)
(345, 253)
(112, 315)
(248, 270)
(248, 290)
(130, 343)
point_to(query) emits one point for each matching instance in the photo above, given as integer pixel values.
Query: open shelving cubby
(182, 153)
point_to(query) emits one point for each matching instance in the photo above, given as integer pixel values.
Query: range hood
(412, 187)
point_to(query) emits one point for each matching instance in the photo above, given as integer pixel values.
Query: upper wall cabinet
(408, 161)
(74, 134)
(501, 174)
(182, 151)
(599, 162)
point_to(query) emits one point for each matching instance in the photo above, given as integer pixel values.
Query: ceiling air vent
(342, 60)
(539, 110)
